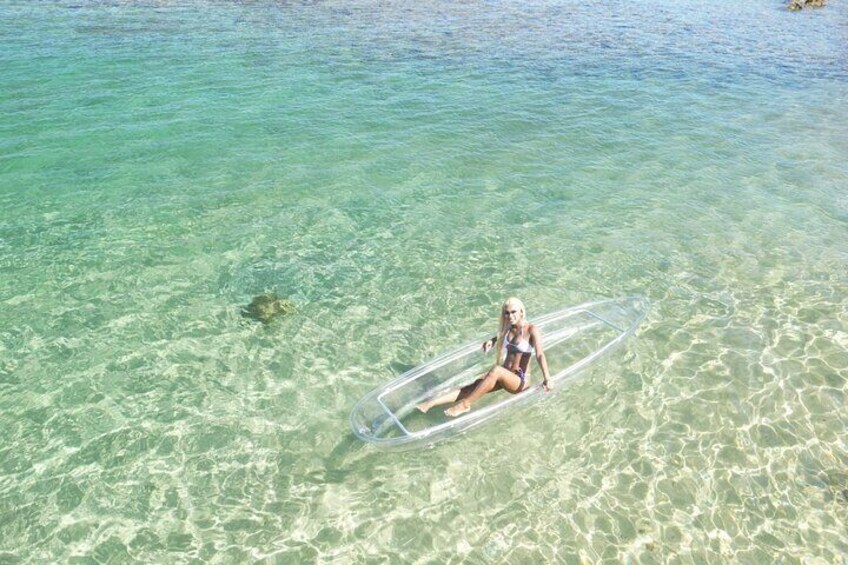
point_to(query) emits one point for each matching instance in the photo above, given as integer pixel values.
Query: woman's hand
(546, 385)
(489, 344)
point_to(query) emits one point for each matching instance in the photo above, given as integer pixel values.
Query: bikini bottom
(521, 374)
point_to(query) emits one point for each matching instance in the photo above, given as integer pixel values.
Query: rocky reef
(267, 307)
(796, 5)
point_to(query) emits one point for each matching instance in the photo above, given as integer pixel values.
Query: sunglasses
(508, 312)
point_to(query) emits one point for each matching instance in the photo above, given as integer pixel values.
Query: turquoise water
(397, 169)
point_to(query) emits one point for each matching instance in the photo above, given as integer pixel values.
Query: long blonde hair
(502, 328)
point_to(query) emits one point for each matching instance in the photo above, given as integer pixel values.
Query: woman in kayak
(515, 343)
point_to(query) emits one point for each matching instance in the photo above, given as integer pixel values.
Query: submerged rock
(796, 5)
(267, 307)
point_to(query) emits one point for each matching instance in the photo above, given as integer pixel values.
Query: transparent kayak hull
(573, 338)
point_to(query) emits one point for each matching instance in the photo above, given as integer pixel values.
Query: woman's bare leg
(447, 398)
(495, 379)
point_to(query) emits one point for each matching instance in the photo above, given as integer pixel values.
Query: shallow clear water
(397, 170)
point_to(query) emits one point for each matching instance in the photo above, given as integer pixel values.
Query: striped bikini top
(519, 345)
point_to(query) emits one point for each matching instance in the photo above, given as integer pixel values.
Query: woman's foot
(423, 407)
(458, 409)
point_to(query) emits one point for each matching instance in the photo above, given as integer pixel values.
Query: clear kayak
(573, 339)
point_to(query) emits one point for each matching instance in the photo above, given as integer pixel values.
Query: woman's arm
(536, 342)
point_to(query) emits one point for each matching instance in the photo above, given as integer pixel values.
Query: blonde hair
(502, 327)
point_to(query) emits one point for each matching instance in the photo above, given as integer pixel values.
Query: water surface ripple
(397, 169)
